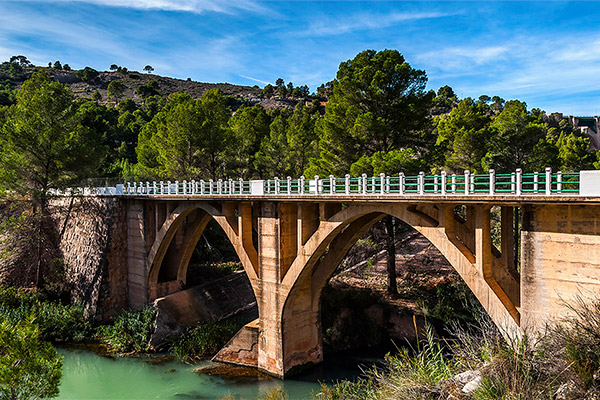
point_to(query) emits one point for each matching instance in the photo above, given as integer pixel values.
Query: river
(90, 376)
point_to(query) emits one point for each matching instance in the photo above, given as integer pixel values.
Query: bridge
(291, 234)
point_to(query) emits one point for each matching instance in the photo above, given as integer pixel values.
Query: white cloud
(338, 26)
(463, 59)
(194, 6)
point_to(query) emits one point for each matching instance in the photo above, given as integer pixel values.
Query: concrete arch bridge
(290, 236)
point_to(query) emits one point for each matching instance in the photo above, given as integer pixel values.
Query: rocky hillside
(132, 80)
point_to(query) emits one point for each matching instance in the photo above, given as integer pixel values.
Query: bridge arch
(461, 244)
(193, 217)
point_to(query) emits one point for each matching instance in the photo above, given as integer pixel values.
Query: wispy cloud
(367, 21)
(255, 80)
(194, 6)
(463, 59)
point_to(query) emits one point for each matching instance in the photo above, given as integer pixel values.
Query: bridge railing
(515, 183)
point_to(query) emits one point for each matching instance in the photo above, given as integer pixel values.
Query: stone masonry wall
(93, 242)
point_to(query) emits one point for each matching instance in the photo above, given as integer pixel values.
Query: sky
(544, 53)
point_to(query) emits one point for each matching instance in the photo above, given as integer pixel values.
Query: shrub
(57, 322)
(204, 340)
(29, 367)
(130, 331)
(87, 74)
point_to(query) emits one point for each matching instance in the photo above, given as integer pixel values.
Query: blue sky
(545, 53)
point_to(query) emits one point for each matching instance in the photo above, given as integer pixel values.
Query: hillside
(166, 85)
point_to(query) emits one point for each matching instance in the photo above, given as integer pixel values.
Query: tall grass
(204, 340)
(130, 331)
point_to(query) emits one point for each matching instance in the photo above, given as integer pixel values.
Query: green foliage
(29, 367)
(8, 96)
(115, 90)
(378, 104)
(187, 139)
(44, 143)
(277, 393)
(204, 340)
(463, 134)
(57, 322)
(147, 90)
(130, 331)
(250, 126)
(87, 74)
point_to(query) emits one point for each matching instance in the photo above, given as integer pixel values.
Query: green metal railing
(515, 183)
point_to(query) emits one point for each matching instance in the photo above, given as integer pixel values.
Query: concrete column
(137, 269)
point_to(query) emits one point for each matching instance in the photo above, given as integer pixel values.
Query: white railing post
(176, 187)
(202, 188)
(168, 187)
(331, 184)
(347, 183)
(558, 181)
(444, 178)
(548, 181)
(536, 185)
(513, 181)
(154, 191)
(519, 179)
(162, 187)
(210, 186)
(276, 185)
(317, 189)
(401, 183)
(147, 187)
(492, 182)
(421, 182)
(364, 183)
(128, 188)
(472, 183)
(135, 188)
(382, 181)
(387, 184)
(220, 186)
(192, 187)
(302, 184)
(230, 184)
(289, 185)
(241, 181)
(467, 173)
(184, 187)
(435, 183)
(453, 183)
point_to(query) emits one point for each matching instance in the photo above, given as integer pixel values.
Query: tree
(463, 135)
(57, 65)
(114, 67)
(67, 67)
(249, 126)
(21, 60)
(187, 139)
(45, 146)
(147, 90)
(115, 90)
(87, 74)
(268, 91)
(378, 104)
(148, 68)
(29, 367)
(96, 96)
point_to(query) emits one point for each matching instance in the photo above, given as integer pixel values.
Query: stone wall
(93, 242)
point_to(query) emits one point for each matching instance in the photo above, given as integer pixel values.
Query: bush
(29, 367)
(57, 322)
(130, 331)
(204, 340)
(87, 74)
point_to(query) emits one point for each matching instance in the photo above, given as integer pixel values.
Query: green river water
(90, 376)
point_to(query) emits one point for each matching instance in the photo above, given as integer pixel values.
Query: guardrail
(517, 183)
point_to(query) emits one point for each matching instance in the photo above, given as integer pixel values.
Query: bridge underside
(290, 249)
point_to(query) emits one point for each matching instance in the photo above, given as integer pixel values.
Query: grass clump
(130, 331)
(561, 362)
(204, 340)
